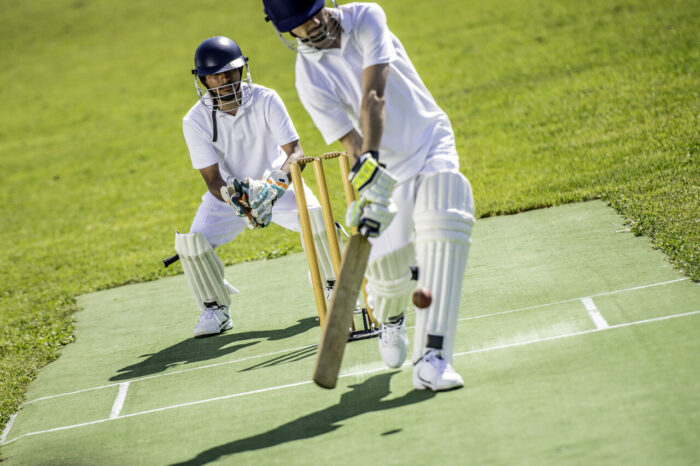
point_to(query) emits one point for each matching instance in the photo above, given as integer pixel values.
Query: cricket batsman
(242, 141)
(357, 83)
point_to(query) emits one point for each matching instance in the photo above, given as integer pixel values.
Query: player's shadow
(291, 356)
(202, 349)
(363, 398)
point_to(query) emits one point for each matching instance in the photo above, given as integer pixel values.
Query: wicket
(370, 324)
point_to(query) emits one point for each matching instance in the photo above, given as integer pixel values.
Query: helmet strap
(213, 122)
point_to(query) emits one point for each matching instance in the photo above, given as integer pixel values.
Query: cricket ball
(422, 298)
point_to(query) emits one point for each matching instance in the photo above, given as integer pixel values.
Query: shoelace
(434, 359)
(390, 333)
(209, 313)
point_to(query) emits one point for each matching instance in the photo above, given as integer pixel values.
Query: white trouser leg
(203, 269)
(443, 215)
(323, 251)
(390, 283)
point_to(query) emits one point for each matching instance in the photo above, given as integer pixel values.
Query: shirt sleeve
(202, 152)
(281, 126)
(326, 111)
(374, 37)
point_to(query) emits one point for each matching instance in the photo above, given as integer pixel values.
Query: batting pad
(390, 283)
(444, 216)
(204, 270)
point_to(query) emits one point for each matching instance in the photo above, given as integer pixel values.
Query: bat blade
(339, 318)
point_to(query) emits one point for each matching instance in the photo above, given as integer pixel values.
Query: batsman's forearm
(352, 142)
(372, 120)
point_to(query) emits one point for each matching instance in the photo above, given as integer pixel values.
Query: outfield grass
(551, 102)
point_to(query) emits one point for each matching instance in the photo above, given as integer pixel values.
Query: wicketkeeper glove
(264, 193)
(235, 194)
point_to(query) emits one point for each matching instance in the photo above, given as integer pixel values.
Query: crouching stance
(242, 141)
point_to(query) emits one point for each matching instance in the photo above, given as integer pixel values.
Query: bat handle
(170, 260)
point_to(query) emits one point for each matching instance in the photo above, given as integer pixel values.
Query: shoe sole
(424, 384)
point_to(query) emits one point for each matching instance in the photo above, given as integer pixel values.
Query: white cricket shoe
(213, 320)
(433, 372)
(393, 343)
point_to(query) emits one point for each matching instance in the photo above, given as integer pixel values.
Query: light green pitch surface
(551, 377)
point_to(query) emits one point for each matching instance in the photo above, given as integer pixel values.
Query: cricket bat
(339, 318)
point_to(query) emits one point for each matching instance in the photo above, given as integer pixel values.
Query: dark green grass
(552, 102)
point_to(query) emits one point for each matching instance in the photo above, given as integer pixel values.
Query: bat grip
(170, 260)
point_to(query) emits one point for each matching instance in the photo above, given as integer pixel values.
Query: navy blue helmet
(288, 14)
(216, 55)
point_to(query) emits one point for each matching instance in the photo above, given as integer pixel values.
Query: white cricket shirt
(247, 143)
(329, 83)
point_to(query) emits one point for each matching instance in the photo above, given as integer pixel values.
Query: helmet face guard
(222, 55)
(229, 96)
(287, 15)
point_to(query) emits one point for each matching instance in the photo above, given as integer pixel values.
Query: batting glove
(370, 218)
(373, 182)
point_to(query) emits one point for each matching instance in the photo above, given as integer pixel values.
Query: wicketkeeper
(359, 86)
(241, 139)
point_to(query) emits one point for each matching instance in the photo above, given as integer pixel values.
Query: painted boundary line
(208, 366)
(353, 374)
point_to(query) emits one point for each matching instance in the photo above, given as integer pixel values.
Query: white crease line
(605, 293)
(119, 400)
(309, 346)
(169, 373)
(7, 428)
(150, 411)
(594, 313)
(354, 374)
(575, 334)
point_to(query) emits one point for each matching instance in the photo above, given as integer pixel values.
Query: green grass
(552, 102)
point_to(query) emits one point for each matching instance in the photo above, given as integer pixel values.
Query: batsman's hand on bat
(375, 209)
(264, 193)
(235, 194)
(370, 218)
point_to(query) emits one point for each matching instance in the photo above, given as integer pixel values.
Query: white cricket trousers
(219, 224)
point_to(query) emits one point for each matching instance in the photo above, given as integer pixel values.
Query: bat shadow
(287, 357)
(363, 398)
(202, 349)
